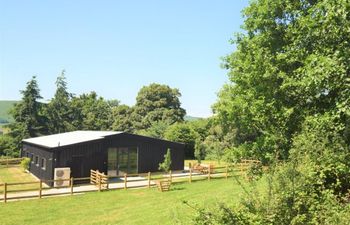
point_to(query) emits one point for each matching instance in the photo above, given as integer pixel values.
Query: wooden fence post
(170, 176)
(5, 192)
(209, 173)
(71, 185)
(190, 180)
(40, 188)
(99, 182)
(149, 179)
(125, 181)
(226, 171)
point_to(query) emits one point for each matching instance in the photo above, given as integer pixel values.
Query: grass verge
(138, 206)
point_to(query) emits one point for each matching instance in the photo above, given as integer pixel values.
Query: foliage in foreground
(292, 61)
(312, 187)
(289, 99)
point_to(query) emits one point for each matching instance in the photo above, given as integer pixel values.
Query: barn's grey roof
(69, 138)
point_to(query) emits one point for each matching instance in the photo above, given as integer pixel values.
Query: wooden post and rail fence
(102, 181)
(10, 161)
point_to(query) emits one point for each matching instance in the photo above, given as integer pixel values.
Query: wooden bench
(163, 185)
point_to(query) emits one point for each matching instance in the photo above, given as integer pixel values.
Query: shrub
(199, 150)
(182, 132)
(310, 188)
(221, 214)
(165, 165)
(25, 163)
(255, 171)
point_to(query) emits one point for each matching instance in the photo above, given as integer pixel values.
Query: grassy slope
(4, 108)
(15, 174)
(141, 206)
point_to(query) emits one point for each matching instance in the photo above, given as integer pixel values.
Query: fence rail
(10, 161)
(102, 182)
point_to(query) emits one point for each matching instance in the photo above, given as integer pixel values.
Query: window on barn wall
(32, 158)
(37, 160)
(133, 159)
(43, 163)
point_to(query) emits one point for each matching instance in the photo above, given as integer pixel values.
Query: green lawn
(15, 174)
(138, 206)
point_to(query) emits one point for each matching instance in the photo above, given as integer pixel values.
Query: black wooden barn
(114, 153)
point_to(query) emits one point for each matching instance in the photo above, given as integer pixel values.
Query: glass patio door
(112, 162)
(133, 159)
(122, 160)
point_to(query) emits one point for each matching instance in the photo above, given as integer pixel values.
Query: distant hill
(192, 118)
(5, 106)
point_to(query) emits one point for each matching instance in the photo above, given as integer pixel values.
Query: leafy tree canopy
(293, 61)
(58, 110)
(28, 117)
(182, 132)
(157, 102)
(91, 112)
(156, 130)
(121, 118)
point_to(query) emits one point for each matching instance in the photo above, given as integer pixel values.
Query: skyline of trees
(155, 104)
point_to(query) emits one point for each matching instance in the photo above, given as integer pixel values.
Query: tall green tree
(291, 62)
(121, 118)
(27, 114)
(156, 130)
(7, 146)
(202, 126)
(91, 112)
(58, 110)
(157, 102)
(182, 132)
(217, 143)
(289, 97)
(199, 150)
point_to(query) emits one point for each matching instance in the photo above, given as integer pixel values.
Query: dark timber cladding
(114, 153)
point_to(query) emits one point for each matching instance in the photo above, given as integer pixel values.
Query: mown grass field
(14, 174)
(138, 206)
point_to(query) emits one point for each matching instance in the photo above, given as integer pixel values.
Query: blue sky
(116, 47)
